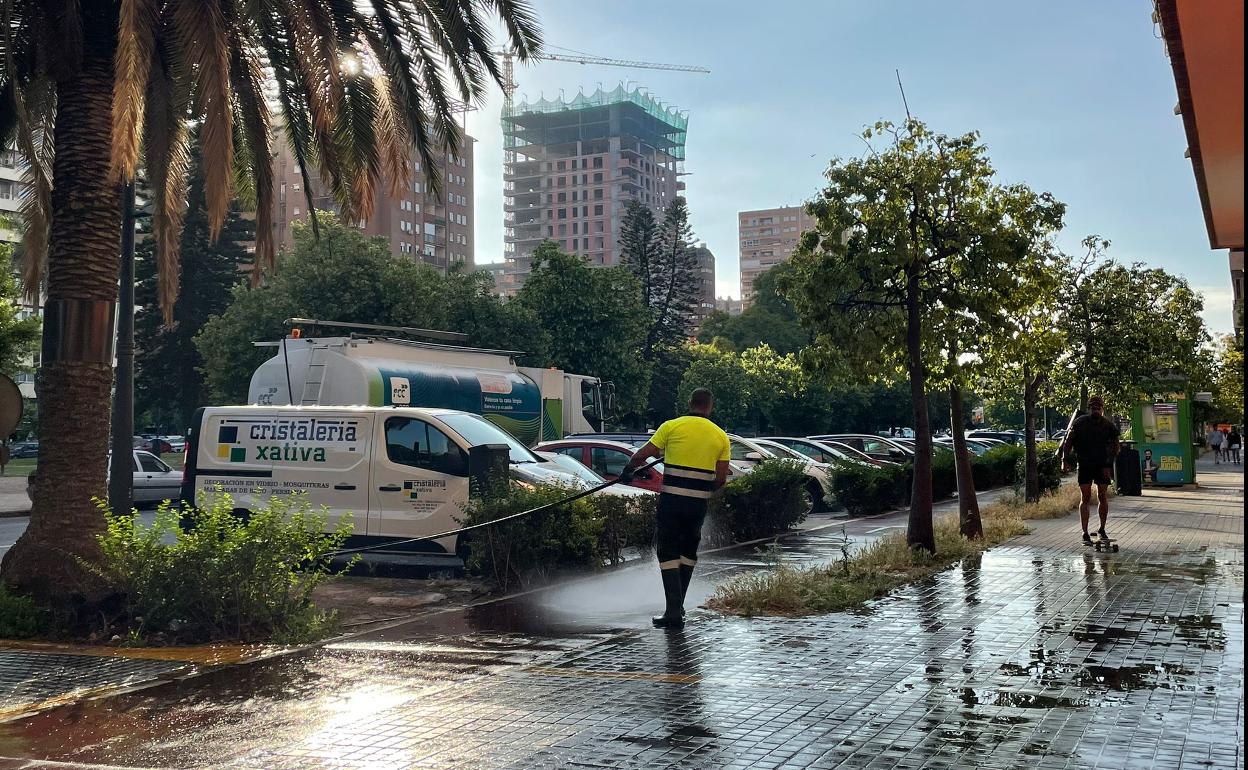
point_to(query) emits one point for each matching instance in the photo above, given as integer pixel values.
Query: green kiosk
(1161, 427)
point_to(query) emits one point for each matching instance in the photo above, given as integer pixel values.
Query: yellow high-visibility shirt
(692, 442)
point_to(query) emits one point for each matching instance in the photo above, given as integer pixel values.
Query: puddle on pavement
(1160, 676)
(971, 698)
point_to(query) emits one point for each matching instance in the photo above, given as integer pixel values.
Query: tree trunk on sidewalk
(969, 523)
(75, 378)
(919, 532)
(1031, 390)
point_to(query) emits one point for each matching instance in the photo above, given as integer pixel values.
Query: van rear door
(227, 461)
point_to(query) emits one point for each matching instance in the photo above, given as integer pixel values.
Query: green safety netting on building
(670, 123)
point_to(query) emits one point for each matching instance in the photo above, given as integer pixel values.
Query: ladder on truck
(314, 377)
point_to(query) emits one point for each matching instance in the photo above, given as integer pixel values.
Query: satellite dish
(10, 406)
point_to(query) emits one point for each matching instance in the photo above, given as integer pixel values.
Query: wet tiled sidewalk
(1041, 654)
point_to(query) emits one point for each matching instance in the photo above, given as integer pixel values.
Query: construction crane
(577, 57)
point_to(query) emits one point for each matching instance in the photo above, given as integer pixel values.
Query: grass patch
(882, 566)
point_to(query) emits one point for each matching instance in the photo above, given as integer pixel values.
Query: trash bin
(1127, 471)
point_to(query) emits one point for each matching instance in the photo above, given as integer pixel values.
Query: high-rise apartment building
(417, 225)
(706, 284)
(766, 238)
(12, 182)
(572, 167)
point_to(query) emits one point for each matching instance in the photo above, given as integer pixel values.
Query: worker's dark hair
(701, 398)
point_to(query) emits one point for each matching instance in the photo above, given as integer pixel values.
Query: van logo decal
(227, 437)
(413, 487)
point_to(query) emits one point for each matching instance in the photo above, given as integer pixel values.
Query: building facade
(572, 167)
(12, 182)
(417, 225)
(706, 284)
(766, 238)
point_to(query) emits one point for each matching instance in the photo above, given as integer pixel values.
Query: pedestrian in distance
(695, 455)
(4, 457)
(1233, 443)
(1093, 439)
(1214, 440)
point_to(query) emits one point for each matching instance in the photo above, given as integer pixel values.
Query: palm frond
(36, 120)
(136, 44)
(202, 31)
(356, 147)
(522, 27)
(249, 81)
(443, 30)
(166, 139)
(392, 134)
(390, 47)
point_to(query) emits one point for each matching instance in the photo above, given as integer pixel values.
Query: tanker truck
(531, 403)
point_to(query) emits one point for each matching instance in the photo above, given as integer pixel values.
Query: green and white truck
(533, 404)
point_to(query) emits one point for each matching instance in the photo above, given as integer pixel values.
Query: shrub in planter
(1048, 466)
(770, 499)
(944, 476)
(995, 467)
(567, 536)
(19, 617)
(867, 489)
(628, 523)
(221, 577)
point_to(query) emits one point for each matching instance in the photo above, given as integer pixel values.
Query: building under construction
(571, 168)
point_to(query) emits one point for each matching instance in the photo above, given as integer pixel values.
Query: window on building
(563, 213)
(576, 228)
(598, 162)
(563, 197)
(599, 226)
(598, 210)
(598, 193)
(430, 228)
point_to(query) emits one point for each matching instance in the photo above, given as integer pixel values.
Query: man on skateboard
(695, 463)
(1093, 439)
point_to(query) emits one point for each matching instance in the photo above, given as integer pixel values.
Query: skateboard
(1105, 544)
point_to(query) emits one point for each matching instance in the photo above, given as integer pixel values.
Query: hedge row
(865, 490)
(594, 531)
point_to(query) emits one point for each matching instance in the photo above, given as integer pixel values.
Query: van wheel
(242, 514)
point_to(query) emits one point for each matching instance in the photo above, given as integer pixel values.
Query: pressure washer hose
(492, 522)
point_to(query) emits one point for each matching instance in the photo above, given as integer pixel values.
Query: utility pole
(121, 472)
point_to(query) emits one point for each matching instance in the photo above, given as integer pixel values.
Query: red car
(607, 458)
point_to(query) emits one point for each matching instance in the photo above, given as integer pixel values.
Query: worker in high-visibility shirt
(695, 463)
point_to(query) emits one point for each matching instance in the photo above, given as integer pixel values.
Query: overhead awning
(1205, 42)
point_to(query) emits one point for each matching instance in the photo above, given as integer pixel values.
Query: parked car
(577, 468)
(154, 444)
(875, 447)
(1006, 436)
(176, 443)
(937, 446)
(819, 486)
(605, 458)
(823, 451)
(974, 446)
(19, 449)
(154, 481)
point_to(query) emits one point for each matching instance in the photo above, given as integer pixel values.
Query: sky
(1071, 97)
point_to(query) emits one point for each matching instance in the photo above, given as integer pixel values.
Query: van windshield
(477, 430)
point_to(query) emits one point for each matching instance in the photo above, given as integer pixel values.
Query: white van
(400, 472)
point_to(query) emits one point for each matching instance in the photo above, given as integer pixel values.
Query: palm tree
(95, 89)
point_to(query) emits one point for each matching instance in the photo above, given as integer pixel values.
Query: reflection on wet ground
(1038, 654)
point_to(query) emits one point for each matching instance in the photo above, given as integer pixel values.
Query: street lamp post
(121, 474)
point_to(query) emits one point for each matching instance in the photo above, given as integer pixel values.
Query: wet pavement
(1040, 653)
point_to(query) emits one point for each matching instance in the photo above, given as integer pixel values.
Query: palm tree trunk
(919, 531)
(76, 373)
(969, 522)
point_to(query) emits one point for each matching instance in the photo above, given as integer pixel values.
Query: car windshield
(575, 467)
(477, 430)
(782, 451)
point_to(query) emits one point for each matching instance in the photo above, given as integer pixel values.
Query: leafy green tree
(19, 337)
(892, 262)
(593, 319)
(1228, 388)
(168, 368)
(91, 88)
(769, 320)
(736, 390)
(1124, 324)
(346, 276)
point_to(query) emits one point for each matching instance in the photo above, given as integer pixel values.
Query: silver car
(154, 481)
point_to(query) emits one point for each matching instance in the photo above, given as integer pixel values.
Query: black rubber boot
(686, 575)
(1087, 539)
(673, 616)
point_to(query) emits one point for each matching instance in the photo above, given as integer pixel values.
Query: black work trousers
(679, 529)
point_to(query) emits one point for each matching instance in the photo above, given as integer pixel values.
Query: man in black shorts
(1093, 439)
